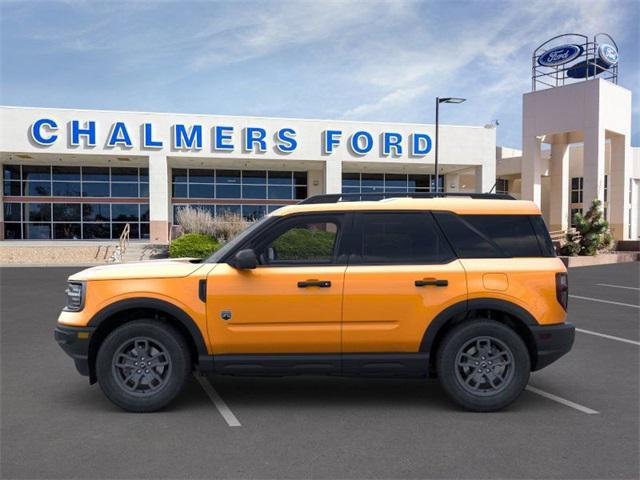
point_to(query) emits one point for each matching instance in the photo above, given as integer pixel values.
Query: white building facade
(85, 174)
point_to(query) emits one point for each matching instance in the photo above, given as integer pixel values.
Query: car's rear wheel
(143, 365)
(483, 365)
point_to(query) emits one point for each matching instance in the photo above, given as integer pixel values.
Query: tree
(591, 234)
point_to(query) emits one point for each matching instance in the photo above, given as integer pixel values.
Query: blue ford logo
(608, 54)
(560, 55)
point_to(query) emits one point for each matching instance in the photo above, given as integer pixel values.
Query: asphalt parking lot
(579, 419)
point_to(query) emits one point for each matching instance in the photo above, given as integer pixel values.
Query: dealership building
(86, 174)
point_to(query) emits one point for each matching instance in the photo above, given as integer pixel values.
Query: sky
(345, 60)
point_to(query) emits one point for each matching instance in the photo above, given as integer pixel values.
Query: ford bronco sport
(465, 288)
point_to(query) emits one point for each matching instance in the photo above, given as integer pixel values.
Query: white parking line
(610, 337)
(217, 400)
(605, 301)
(561, 400)
(616, 286)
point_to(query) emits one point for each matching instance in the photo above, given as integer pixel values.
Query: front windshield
(231, 244)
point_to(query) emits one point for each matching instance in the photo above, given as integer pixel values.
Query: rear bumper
(75, 343)
(552, 342)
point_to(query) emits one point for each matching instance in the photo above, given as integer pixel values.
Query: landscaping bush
(592, 233)
(194, 245)
(222, 227)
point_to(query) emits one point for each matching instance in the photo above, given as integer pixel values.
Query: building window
(502, 186)
(233, 191)
(99, 202)
(573, 212)
(389, 183)
(576, 189)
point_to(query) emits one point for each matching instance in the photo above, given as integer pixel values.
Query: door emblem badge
(225, 314)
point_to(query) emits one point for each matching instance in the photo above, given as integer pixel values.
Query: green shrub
(591, 235)
(303, 243)
(194, 245)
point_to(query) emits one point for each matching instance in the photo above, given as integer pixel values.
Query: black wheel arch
(503, 311)
(123, 311)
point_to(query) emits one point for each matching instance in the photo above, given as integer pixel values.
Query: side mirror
(244, 260)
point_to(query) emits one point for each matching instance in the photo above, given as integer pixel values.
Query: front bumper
(552, 342)
(75, 342)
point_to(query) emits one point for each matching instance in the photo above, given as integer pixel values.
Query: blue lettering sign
(222, 135)
(189, 139)
(421, 144)
(255, 136)
(358, 147)
(119, 136)
(37, 134)
(147, 138)
(89, 131)
(331, 140)
(285, 140)
(391, 140)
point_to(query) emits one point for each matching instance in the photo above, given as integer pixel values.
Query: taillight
(562, 289)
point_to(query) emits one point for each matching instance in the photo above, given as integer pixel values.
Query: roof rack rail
(372, 196)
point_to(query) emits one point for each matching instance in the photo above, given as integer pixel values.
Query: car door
(292, 301)
(401, 274)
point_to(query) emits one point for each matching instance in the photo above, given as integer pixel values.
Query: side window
(304, 241)
(467, 241)
(514, 234)
(409, 238)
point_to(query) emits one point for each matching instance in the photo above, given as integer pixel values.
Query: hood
(175, 268)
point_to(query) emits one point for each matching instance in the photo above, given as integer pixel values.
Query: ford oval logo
(560, 55)
(608, 54)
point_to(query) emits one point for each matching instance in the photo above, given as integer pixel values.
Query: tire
(138, 385)
(483, 365)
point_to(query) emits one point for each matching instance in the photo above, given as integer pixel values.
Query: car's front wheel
(483, 365)
(143, 365)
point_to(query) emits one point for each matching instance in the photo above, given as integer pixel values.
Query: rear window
(491, 236)
(409, 238)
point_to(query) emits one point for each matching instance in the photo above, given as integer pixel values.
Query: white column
(593, 166)
(159, 198)
(531, 169)
(332, 176)
(485, 176)
(619, 188)
(559, 169)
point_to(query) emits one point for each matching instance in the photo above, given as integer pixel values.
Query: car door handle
(431, 282)
(314, 283)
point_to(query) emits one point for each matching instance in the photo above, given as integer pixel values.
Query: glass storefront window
(66, 212)
(37, 189)
(37, 231)
(93, 189)
(66, 189)
(96, 212)
(228, 176)
(389, 182)
(66, 174)
(124, 212)
(73, 219)
(129, 190)
(234, 185)
(197, 190)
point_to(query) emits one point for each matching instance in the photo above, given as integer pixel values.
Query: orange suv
(463, 287)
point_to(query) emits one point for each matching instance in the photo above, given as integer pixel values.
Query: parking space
(54, 425)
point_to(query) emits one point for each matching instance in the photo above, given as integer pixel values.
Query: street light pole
(438, 102)
(437, 142)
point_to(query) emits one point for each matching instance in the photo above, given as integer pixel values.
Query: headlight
(75, 296)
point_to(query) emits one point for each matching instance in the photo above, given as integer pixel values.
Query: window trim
(355, 259)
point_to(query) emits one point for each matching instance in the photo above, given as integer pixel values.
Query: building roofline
(21, 107)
